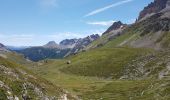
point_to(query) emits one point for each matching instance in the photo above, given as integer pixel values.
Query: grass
(2, 94)
(115, 42)
(95, 88)
(16, 85)
(166, 40)
(102, 62)
(118, 90)
(73, 83)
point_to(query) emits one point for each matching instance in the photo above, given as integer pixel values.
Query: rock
(153, 7)
(68, 62)
(64, 97)
(82, 43)
(68, 43)
(115, 26)
(16, 98)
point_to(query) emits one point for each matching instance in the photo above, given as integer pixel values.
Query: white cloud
(101, 23)
(107, 7)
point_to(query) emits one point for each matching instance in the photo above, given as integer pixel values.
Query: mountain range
(56, 51)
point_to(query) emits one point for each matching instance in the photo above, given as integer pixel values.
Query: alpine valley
(127, 62)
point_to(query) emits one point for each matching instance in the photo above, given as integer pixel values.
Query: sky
(36, 22)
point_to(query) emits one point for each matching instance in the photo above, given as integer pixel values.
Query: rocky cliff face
(85, 41)
(78, 43)
(154, 7)
(115, 26)
(82, 43)
(68, 43)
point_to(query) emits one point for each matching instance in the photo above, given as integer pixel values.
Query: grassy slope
(103, 62)
(17, 76)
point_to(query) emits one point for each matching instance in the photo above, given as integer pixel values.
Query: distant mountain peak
(51, 44)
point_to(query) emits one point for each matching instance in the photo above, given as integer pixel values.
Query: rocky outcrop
(115, 26)
(82, 43)
(68, 43)
(153, 7)
(78, 43)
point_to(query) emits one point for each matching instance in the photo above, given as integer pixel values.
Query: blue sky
(35, 22)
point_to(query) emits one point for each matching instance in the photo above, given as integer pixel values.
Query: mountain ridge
(154, 7)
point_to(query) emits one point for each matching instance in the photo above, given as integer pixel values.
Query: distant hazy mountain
(3, 48)
(13, 48)
(52, 44)
(40, 53)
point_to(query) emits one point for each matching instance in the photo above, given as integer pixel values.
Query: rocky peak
(78, 43)
(115, 26)
(68, 41)
(82, 43)
(51, 44)
(153, 7)
(1, 45)
(94, 36)
(3, 48)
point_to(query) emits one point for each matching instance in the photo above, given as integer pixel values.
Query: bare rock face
(83, 42)
(68, 43)
(153, 7)
(115, 26)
